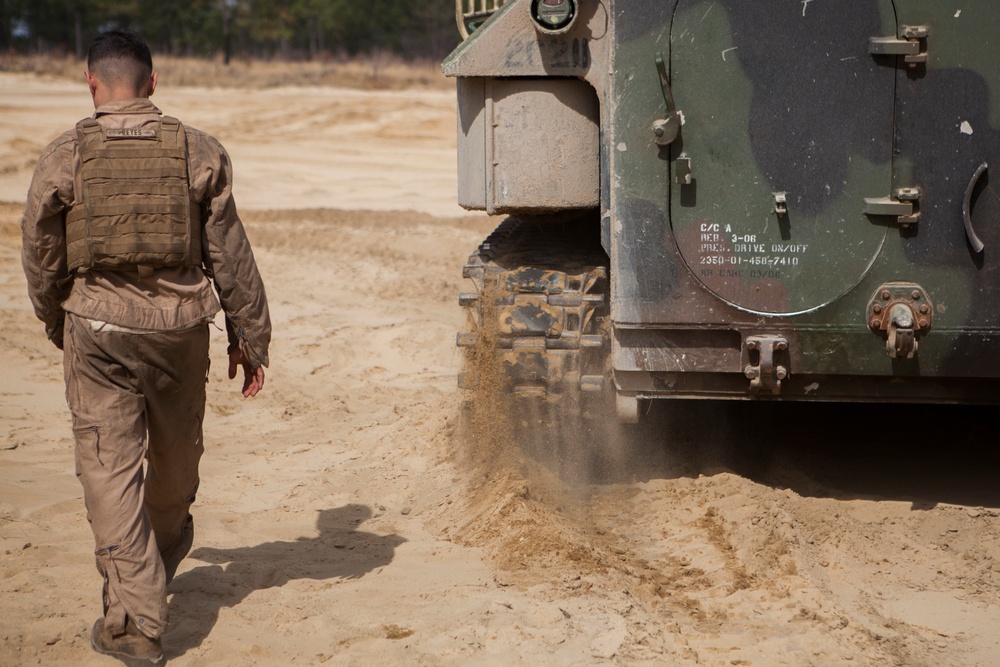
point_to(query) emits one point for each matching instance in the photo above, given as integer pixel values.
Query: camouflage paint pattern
(785, 98)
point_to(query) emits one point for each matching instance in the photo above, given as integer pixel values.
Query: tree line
(289, 29)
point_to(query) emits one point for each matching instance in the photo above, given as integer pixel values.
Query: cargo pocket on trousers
(88, 446)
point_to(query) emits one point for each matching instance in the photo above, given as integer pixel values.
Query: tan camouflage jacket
(171, 299)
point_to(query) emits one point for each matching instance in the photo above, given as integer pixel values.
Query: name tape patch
(131, 133)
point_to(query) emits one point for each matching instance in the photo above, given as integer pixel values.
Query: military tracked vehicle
(772, 200)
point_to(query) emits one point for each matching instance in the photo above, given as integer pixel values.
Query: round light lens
(552, 15)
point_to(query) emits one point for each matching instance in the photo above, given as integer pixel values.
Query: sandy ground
(342, 520)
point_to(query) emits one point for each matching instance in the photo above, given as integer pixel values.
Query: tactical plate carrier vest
(135, 211)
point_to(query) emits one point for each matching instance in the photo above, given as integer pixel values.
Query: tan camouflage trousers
(137, 402)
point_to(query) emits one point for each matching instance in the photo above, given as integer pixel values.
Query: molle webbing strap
(135, 211)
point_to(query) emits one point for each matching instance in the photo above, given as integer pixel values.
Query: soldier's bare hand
(253, 378)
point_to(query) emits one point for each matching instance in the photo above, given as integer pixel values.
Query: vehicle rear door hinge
(904, 205)
(911, 44)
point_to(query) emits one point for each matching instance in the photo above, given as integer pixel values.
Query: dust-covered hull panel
(796, 200)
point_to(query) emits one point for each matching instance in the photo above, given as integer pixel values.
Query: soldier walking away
(129, 216)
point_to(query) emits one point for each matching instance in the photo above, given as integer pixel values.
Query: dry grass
(377, 72)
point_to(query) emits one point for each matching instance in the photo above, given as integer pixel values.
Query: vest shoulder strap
(88, 131)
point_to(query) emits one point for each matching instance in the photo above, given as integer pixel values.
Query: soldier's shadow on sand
(339, 552)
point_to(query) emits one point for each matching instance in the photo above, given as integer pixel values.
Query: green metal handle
(668, 96)
(667, 129)
(974, 239)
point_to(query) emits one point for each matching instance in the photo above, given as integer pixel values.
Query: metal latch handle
(666, 129)
(668, 95)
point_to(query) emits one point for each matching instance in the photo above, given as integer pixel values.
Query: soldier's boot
(175, 553)
(130, 644)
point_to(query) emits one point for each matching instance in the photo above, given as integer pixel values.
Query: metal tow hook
(902, 312)
(902, 343)
(766, 366)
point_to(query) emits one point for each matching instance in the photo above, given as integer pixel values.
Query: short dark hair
(120, 56)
